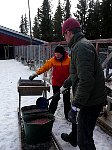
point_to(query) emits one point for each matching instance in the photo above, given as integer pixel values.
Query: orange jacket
(60, 69)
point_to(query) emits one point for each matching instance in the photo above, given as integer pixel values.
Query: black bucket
(38, 128)
(32, 109)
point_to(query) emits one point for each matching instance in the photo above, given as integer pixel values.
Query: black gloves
(72, 115)
(67, 83)
(33, 76)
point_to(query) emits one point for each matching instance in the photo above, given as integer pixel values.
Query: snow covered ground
(10, 72)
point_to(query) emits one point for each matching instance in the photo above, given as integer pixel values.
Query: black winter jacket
(86, 74)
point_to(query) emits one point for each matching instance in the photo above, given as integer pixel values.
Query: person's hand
(72, 115)
(33, 76)
(67, 83)
(62, 89)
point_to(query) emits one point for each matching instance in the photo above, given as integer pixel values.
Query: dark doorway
(2, 52)
(6, 52)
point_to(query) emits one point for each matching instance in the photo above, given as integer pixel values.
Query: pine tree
(26, 24)
(46, 27)
(81, 12)
(106, 19)
(67, 13)
(36, 25)
(57, 21)
(22, 25)
(93, 28)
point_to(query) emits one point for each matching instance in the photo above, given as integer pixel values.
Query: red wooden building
(10, 38)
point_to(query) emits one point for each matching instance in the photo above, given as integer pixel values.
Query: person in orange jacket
(60, 64)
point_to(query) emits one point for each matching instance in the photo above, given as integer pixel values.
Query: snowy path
(10, 72)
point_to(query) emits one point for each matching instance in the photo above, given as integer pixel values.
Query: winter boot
(68, 138)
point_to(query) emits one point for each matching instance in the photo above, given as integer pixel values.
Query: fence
(36, 54)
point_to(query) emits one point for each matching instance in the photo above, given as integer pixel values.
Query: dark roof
(12, 37)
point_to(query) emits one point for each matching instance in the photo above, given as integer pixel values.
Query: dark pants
(73, 134)
(66, 99)
(86, 123)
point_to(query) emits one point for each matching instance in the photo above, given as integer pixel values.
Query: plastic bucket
(32, 109)
(38, 128)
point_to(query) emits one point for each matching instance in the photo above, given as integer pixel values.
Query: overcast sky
(12, 10)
